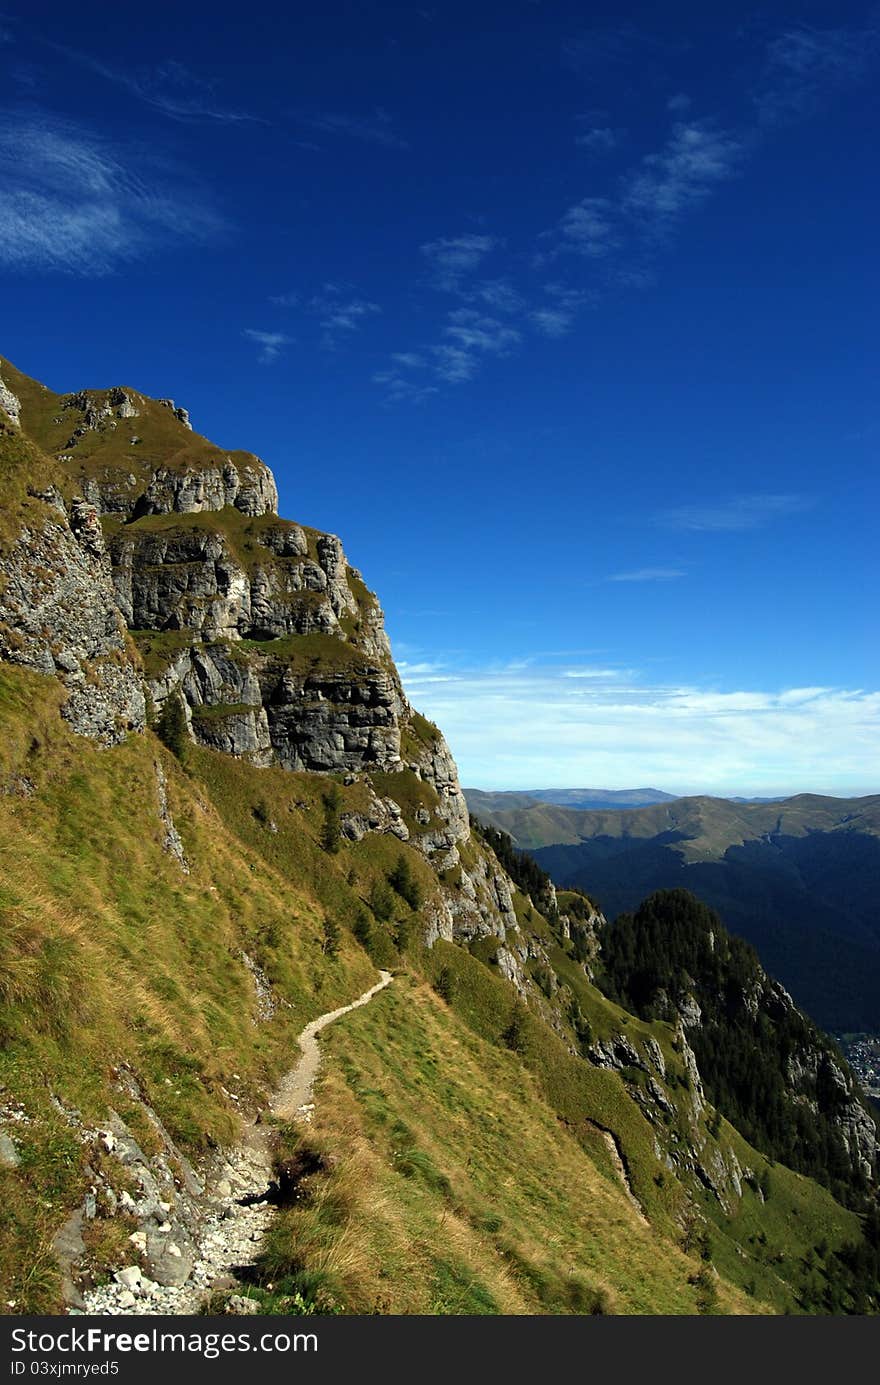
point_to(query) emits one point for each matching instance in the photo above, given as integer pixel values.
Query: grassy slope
(163, 441)
(460, 1189)
(110, 953)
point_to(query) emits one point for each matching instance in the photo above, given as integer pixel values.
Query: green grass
(455, 1188)
(111, 954)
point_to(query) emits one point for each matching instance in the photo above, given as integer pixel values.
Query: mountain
(799, 878)
(219, 817)
(483, 803)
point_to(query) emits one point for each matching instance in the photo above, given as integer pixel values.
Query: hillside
(219, 817)
(799, 878)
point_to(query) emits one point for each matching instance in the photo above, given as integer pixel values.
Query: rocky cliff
(154, 564)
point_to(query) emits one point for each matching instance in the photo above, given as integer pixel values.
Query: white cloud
(601, 139)
(73, 202)
(454, 256)
(454, 365)
(339, 313)
(347, 317)
(648, 574)
(552, 322)
(477, 332)
(399, 390)
(518, 728)
(284, 300)
(588, 227)
(471, 335)
(739, 513)
(499, 295)
(270, 343)
(669, 183)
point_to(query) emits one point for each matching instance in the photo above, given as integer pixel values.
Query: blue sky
(562, 316)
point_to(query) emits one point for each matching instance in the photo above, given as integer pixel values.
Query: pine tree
(171, 728)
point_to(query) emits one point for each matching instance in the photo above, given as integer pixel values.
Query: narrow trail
(237, 1210)
(294, 1093)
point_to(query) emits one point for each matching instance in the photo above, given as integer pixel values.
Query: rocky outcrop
(171, 841)
(191, 578)
(434, 763)
(58, 616)
(249, 488)
(811, 1070)
(182, 415)
(274, 710)
(10, 404)
(383, 816)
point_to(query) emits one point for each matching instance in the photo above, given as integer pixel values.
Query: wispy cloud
(497, 294)
(804, 65)
(340, 314)
(285, 300)
(169, 87)
(470, 335)
(72, 201)
(377, 128)
(600, 139)
(739, 513)
(552, 322)
(681, 176)
(452, 257)
(271, 343)
(514, 727)
(399, 390)
(588, 227)
(648, 574)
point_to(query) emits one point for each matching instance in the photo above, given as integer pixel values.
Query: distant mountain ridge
(798, 877)
(482, 801)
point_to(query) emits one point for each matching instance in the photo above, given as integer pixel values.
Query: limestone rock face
(434, 764)
(191, 578)
(58, 616)
(383, 816)
(249, 488)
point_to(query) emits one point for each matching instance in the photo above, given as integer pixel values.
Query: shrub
(363, 928)
(401, 879)
(445, 985)
(330, 945)
(330, 829)
(381, 901)
(514, 1036)
(171, 728)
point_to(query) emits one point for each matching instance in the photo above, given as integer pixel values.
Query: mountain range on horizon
(504, 800)
(798, 877)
